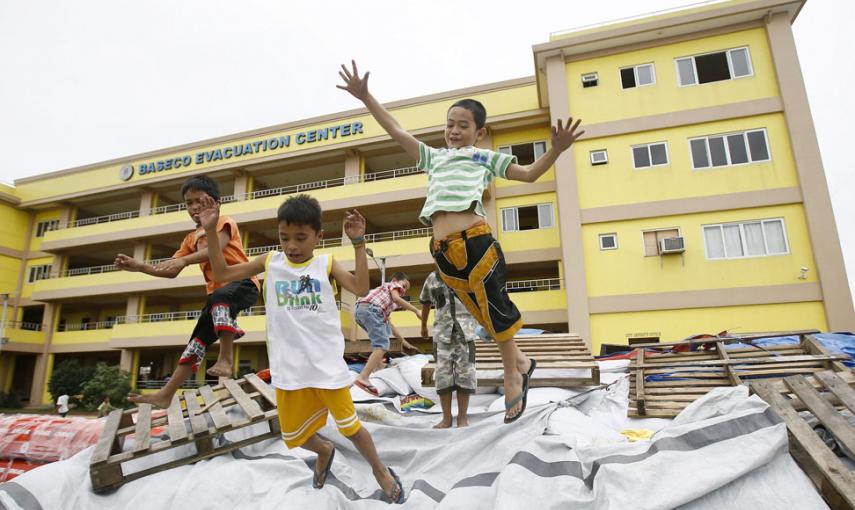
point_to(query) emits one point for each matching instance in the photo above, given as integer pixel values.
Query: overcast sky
(87, 81)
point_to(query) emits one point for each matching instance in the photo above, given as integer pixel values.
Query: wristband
(357, 240)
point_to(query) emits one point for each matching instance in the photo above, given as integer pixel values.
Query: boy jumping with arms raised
(305, 344)
(469, 259)
(225, 300)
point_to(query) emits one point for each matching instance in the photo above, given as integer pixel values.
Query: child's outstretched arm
(208, 217)
(562, 138)
(358, 88)
(403, 303)
(354, 229)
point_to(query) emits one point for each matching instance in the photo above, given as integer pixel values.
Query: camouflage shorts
(455, 364)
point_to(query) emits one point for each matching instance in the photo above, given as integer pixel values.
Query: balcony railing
(336, 241)
(188, 384)
(86, 326)
(533, 285)
(191, 315)
(106, 268)
(284, 190)
(28, 326)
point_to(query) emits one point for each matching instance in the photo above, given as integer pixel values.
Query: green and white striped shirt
(457, 177)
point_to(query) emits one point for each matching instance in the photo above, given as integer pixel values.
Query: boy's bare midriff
(447, 222)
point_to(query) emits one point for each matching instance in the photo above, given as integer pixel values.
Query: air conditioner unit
(590, 80)
(671, 245)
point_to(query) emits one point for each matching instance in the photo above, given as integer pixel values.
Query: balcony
(342, 192)
(24, 333)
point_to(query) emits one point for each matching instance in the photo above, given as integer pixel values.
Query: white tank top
(305, 344)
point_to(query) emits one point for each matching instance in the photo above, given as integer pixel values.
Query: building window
(637, 76)
(526, 153)
(528, 217)
(608, 241)
(652, 238)
(39, 273)
(746, 239)
(599, 157)
(718, 66)
(733, 149)
(46, 226)
(653, 154)
(590, 80)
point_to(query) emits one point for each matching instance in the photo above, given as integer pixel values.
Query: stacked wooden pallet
(823, 394)
(209, 411)
(662, 385)
(553, 352)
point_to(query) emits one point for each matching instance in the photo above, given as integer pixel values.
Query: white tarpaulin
(727, 450)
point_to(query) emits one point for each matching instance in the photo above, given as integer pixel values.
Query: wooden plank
(836, 472)
(364, 346)
(639, 381)
(108, 440)
(744, 361)
(214, 407)
(731, 375)
(142, 432)
(263, 388)
(834, 422)
(197, 421)
(175, 419)
(839, 388)
(729, 338)
(249, 406)
(812, 345)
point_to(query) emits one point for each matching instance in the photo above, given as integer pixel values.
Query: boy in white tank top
(305, 344)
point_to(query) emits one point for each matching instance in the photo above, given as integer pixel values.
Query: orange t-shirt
(232, 252)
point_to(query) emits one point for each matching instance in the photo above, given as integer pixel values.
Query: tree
(68, 377)
(109, 380)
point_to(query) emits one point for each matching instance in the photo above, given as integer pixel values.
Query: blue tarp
(836, 343)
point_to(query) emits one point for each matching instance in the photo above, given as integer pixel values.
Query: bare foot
(220, 369)
(155, 399)
(388, 484)
(444, 424)
(462, 421)
(513, 387)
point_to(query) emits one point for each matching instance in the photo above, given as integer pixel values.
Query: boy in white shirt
(305, 344)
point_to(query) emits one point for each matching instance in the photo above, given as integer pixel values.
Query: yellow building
(695, 202)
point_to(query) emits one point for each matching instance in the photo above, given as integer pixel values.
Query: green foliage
(68, 378)
(107, 380)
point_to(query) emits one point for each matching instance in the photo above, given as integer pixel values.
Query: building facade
(695, 202)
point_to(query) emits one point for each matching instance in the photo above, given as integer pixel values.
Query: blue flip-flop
(316, 480)
(522, 396)
(399, 486)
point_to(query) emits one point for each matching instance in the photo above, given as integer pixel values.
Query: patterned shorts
(455, 364)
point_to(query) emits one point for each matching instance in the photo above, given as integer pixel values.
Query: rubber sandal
(316, 482)
(531, 367)
(367, 388)
(522, 396)
(398, 486)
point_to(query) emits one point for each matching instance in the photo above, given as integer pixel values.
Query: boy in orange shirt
(218, 318)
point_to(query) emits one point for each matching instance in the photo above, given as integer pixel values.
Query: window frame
(729, 58)
(610, 234)
(635, 75)
(510, 147)
(729, 164)
(39, 272)
(516, 208)
(649, 155)
(743, 241)
(44, 227)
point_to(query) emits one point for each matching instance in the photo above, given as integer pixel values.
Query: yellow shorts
(303, 412)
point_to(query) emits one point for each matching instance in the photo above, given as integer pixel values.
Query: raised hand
(358, 87)
(126, 263)
(564, 136)
(210, 213)
(354, 224)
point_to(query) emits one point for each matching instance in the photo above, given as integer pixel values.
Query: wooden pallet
(206, 411)
(705, 370)
(822, 394)
(364, 346)
(552, 351)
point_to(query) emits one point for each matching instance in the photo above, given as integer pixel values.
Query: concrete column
(126, 360)
(39, 379)
(140, 251)
(241, 184)
(352, 171)
(570, 219)
(348, 304)
(822, 227)
(133, 308)
(148, 201)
